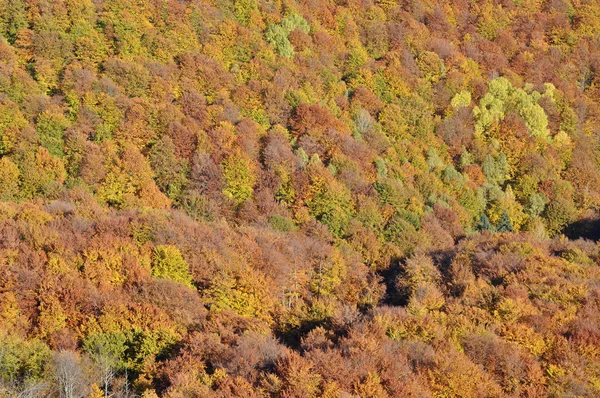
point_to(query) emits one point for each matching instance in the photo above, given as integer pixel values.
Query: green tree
(107, 350)
(492, 106)
(466, 158)
(282, 224)
(13, 18)
(537, 204)
(331, 203)
(503, 97)
(51, 129)
(169, 172)
(485, 224)
(461, 100)
(278, 34)
(22, 361)
(558, 214)
(505, 223)
(495, 169)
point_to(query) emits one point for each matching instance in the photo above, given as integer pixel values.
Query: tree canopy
(299, 199)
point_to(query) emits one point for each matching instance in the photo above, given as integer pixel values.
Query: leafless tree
(106, 362)
(363, 121)
(68, 374)
(36, 390)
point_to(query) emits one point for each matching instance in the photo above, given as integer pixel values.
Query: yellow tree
(240, 177)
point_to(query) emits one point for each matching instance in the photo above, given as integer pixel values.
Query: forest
(299, 198)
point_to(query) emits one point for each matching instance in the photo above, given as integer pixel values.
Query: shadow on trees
(586, 229)
(388, 277)
(292, 337)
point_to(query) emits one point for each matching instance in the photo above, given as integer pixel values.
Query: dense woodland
(299, 198)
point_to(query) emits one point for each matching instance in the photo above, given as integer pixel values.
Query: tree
(484, 223)
(328, 274)
(23, 364)
(495, 169)
(418, 272)
(501, 98)
(169, 172)
(330, 202)
(298, 377)
(558, 214)
(461, 100)
(239, 175)
(106, 350)
(242, 290)
(13, 18)
(536, 204)
(168, 263)
(129, 182)
(96, 392)
(11, 121)
(505, 223)
(278, 34)
(68, 374)
(51, 129)
(9, 180)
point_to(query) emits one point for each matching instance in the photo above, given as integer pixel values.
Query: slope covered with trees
(299, 198)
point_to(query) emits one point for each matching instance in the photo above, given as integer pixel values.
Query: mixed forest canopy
(299, 198)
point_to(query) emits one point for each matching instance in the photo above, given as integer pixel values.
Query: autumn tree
(239, 176)
(168, 263)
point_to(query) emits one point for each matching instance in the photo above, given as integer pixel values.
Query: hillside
(299, 198)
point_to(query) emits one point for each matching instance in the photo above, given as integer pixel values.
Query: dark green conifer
(505, 224)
